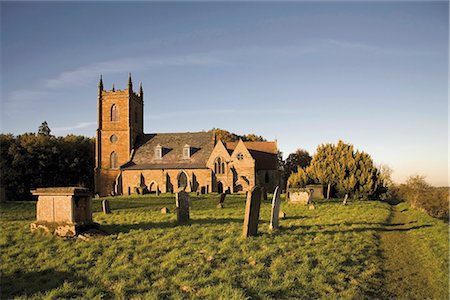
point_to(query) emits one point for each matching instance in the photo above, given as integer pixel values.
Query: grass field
(332, 252)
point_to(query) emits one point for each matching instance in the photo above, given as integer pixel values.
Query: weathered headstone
(105, 206)
(219, 205)
(263, 194)
(182, 202)
(276, 201)
(312, 206)
(251, 217)
(345, 199)
(165, 210)
(222, 198)
(311, 192)
(282, 215)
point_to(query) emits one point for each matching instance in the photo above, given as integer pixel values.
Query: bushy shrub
(421, 195)
(299, 179)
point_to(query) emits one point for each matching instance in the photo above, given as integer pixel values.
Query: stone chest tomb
(64, 211)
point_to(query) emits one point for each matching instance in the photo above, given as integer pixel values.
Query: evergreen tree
(44, 129)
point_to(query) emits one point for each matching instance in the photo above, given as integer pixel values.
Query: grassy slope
(330, 252)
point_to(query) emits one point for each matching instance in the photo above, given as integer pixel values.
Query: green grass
(332, 252)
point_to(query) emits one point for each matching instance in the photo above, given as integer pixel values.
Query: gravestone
(311, 192)
(276, 201)
(251, 217)
(312, 206)
(165, 210)
(222, 198)
(105, 206)
(345, 199)
(264, 194)
(182, 202)
(282, 215)
(219, 205)
(157, 191)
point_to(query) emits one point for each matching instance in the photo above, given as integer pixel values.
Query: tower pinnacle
(100, 85)
(130, 83)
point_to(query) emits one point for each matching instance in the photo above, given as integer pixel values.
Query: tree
(44, 129)
(300, 158)
(346, 170)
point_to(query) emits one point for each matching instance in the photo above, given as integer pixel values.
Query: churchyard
(364, 249)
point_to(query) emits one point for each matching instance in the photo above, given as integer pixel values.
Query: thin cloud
(203, 113)
(74, 127)
(86, 74)
(371, 48)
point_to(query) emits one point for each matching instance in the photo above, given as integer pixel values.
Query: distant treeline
(32, 160)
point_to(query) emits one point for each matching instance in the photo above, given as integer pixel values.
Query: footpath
(405, 277)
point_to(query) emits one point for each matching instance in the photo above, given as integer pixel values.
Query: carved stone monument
(182, 203)
(276, 201)
(251, 217)
(64, 211)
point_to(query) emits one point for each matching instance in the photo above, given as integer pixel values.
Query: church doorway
(182, 181)
(220, 187)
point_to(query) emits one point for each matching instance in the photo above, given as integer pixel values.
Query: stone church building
(129, 161)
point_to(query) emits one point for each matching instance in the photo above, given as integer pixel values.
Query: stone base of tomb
(63, 229)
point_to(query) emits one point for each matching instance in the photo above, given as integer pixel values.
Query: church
(128, 161)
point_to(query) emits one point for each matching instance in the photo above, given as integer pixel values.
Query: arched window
(219, 166)
(113, 161)
(114, 113)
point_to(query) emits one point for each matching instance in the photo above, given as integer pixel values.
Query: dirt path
(404, 275)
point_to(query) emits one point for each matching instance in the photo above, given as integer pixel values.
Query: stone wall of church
(167, 180)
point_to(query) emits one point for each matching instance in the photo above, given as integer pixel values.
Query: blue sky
(304, 73)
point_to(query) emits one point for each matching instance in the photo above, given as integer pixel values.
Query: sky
(373, 74)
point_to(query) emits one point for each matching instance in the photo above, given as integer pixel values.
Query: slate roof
(201, 145)
(264, 153)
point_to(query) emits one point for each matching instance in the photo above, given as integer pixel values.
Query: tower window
(186, 151)
(114, 113)
(113, 161)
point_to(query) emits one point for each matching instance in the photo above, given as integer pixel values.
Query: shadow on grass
(30, 283)
(125, 228)
(358, 229)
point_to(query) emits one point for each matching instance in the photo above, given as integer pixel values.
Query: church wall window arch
(114, 113)
(113, 160)
(219, 166)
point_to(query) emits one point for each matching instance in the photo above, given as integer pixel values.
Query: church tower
(120, 122)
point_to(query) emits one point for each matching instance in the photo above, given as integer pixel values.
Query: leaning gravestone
(165, 210)
(276, 201)
(251, 217)
(106, 208)
(182, 202)
(222, 200)
(345, 199)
